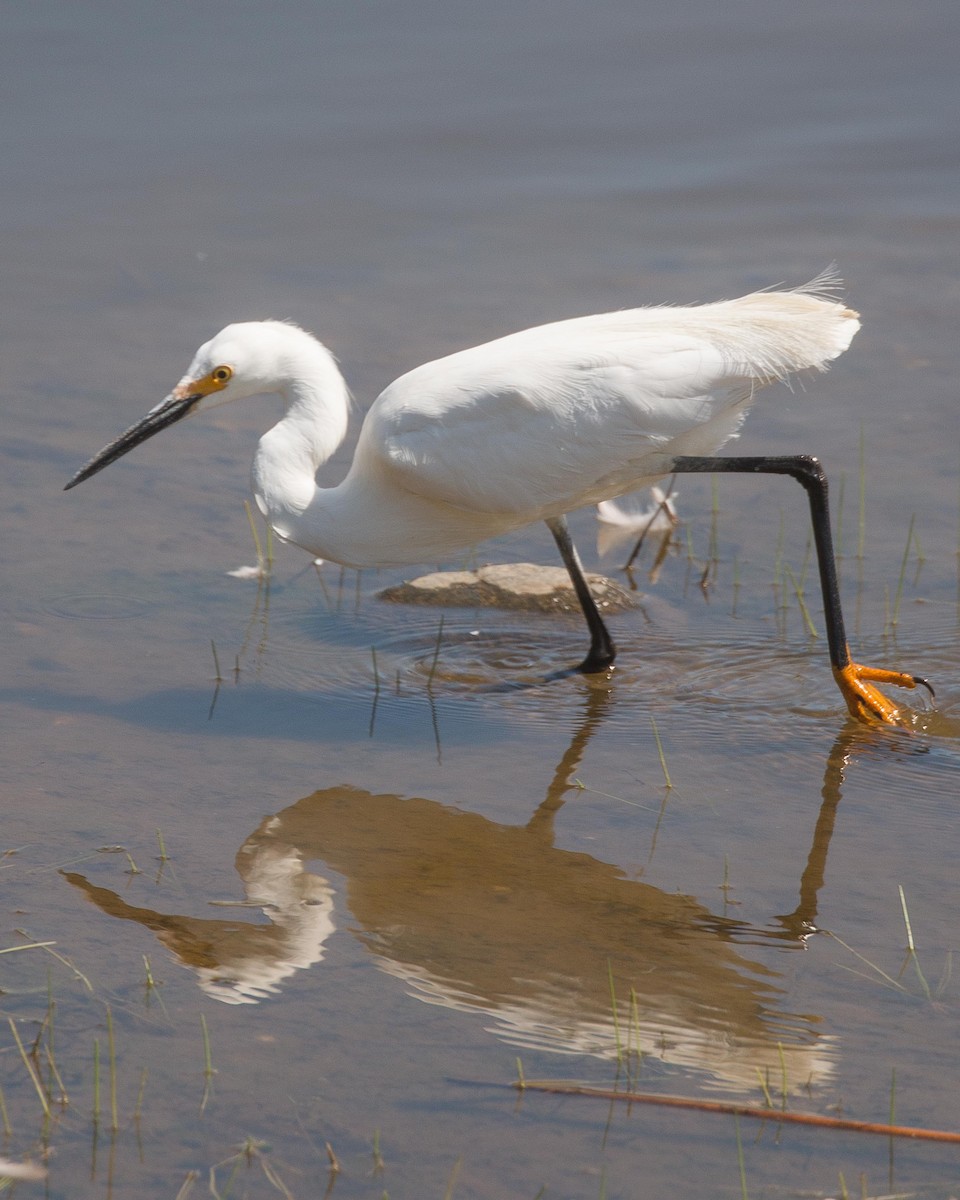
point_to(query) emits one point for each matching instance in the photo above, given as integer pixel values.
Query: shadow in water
(484, 917)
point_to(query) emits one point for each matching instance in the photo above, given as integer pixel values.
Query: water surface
(383, 886)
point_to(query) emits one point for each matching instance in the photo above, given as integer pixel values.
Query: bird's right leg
(602, 651)
(865, 702)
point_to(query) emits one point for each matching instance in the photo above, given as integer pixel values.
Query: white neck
(315, 423)
(367, 520)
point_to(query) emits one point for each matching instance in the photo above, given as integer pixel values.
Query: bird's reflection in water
(237, 961)
(484, 917)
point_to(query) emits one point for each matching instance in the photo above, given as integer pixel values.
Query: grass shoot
(662, 756)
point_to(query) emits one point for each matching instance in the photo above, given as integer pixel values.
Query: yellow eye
(221, 374)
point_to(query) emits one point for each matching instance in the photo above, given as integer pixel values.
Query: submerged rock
(524, 586)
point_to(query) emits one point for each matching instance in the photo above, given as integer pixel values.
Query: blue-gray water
(439, 878)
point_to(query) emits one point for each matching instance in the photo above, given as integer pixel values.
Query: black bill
(170, 411)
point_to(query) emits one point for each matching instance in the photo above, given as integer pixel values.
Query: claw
(868, 703)
(921, 682)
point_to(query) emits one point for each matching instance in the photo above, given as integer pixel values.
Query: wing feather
(550, 418)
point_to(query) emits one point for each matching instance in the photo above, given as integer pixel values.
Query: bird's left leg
(865, 702)
(602, 651)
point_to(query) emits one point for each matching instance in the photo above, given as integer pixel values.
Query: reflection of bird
(525, 428)
(478, 916)
(236, 961)
(481, 917)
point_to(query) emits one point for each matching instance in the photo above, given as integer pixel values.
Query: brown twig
(742, 1110)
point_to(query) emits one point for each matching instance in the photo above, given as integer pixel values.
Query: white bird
(524, 428)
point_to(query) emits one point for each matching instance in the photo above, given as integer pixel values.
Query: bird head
(245, 359)
(250, 358)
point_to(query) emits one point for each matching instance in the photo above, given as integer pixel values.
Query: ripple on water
(98, 607)
(466, 658)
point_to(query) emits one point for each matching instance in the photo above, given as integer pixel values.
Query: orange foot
(868, 703)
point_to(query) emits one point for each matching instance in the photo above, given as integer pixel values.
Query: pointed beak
(173, 409)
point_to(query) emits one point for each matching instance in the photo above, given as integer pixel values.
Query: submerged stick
(742, 1110)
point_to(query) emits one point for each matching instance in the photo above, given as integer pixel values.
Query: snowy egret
(525, 428)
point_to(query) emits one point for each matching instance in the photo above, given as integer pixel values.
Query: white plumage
(524, 428)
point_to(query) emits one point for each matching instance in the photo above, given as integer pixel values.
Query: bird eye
(221, 374)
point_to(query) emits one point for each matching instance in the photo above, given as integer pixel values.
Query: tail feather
(770, 335)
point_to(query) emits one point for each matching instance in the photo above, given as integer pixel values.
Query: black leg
(602, 650)
(854, 680)
(808, 472)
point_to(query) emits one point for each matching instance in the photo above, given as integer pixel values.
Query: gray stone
(524, 586)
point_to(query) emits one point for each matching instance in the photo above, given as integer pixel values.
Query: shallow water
(390, 876)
